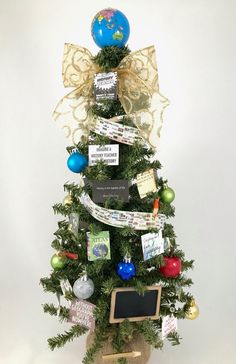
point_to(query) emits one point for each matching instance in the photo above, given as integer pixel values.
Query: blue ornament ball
(126, 270)
(110, 27)
(77, 162)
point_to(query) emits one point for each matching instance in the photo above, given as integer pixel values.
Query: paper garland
(117, 218)
(115, 131)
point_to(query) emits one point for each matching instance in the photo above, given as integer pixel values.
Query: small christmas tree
(114, 245)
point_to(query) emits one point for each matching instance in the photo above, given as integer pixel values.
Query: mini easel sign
(81, 312)
(126, 303)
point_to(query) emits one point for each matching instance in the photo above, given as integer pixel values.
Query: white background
(195, 43)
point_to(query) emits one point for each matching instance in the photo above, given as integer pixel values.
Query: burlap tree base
(136, 344)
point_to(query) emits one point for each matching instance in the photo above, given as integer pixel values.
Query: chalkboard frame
(114, 320)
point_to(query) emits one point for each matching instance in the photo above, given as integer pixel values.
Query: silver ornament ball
(83, 288)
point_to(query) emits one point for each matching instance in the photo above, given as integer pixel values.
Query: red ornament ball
(172, 267)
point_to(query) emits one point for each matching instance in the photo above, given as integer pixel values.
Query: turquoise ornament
(77, 162)
(110, 27)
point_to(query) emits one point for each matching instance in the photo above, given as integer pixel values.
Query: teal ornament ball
(110, 27)
(167, 195)
(58, 261)
(77, 162)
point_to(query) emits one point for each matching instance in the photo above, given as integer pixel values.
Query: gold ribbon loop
(138, 92)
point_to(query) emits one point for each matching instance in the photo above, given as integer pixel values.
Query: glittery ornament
(83, 287)
(193, 311)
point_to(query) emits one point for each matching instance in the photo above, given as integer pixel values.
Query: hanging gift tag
(74, 223)
(167, 243)
(105, 86)
(108, 153)
(152, 244)
(146, 183)
(98, 246)
(118, 189)
(81, 313)
(169, 324)
(65, 286)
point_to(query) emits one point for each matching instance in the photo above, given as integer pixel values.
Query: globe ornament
(100, 250)
(77, 162)
(126, 269)
(110, 27)
(83, 287)
(167, 195)
(58, 261)
(193, 311)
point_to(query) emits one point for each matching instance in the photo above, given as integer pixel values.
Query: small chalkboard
(126, 303)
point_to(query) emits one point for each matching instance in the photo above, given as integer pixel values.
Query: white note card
(169, 324)
(108, 153)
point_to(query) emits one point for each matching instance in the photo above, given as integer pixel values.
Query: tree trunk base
(136, 344)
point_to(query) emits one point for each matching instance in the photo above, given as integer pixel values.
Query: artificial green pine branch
(110, 57)
(150, 333)
(53, 311)
(99, 338)
(174, 338)
(61, 339)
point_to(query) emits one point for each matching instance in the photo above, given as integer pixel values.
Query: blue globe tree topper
(110, 27)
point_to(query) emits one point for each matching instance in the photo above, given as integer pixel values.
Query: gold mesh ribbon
(138, 92)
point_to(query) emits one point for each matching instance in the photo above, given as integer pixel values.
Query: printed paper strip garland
(115, 131)
(116, 218)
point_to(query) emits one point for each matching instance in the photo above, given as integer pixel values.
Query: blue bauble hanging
(126, 269)
(110, 27)
(77, 162)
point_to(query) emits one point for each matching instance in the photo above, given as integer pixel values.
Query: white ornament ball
(83, 288)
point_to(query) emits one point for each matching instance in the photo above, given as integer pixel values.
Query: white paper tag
(152, 244)
(169, 324)
(146, 183)
(108, 153)
(74, 223)
(65, 286)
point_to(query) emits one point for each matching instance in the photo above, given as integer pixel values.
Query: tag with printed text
(98, 246)
(118, 189)
(152, 244)
(169, 324)
(146, 183)
(81, 313)
(65, 286)
(108, 153)
(105, 86)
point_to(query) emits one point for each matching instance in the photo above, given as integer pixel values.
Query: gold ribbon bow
(138, 92)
